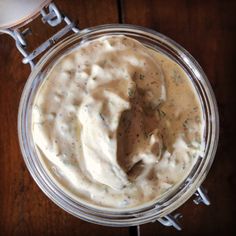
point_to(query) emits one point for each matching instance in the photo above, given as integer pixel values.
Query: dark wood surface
(207, 29)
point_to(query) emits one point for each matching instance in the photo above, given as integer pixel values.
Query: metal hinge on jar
(173, 220)
(201, 197)
(53, 17)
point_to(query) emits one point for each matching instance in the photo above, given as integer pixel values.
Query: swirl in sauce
(117, 124)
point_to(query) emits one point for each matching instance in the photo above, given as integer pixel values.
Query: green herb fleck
(145, 134)
(185, 124)
(197, 119)
(164, 148)
(161, 113)
(176, 77)
(131, 92)
(102, 117)
(134, 75)
(141, 76)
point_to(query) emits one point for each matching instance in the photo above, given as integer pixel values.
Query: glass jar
(169, 201)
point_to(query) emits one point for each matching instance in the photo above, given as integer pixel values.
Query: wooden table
(207, 29)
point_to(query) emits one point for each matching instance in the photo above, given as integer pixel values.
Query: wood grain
(207, 29)
(24, 209)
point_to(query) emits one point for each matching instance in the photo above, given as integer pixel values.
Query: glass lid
(14, 12)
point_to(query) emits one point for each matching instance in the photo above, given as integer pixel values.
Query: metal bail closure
(171, 220)
(201, 197)
(50, 14)
(15, 13)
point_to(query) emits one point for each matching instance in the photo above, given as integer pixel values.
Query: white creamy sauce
(117, 124)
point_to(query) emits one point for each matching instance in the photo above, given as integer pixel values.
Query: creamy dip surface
(117, 124)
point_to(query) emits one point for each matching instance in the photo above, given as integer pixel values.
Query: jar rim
(124, 217)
